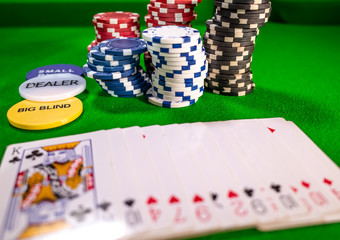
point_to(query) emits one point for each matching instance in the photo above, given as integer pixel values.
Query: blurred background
(80, 12)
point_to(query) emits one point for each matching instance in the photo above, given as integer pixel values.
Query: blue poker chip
(167, 103)
(54, 69)
(126, 88)
(183, 95)
(190, 86)
(107, 75)
(125, 79)
(172, 73)
(123, 46)
(187, 63)
(178, 68)
(95, 61)
(100, 68)
(96, 53)
(110, 84)
(132, 93)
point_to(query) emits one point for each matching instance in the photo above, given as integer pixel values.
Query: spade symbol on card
(14, 160)
(173, 199)
(327, 181)
(214, 196)
(249, 192)
(105, 205)
(80, 213)
(276, 187)
(34, 154)
(129, 202)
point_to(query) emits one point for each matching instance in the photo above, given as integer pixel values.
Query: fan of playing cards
(163, 182)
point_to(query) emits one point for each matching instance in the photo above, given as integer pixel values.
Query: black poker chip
(232, 34)
(229, 67)
(229, 49)
(230, 13)
(227, 44)
(227, 82)
(228, 63)
(229, 39)
(244, 11)
(230, 78)
(222, 4)
(240, 20)
(214, 54)
(225, 57)
(235, 25)
(221, 86)
(219, 71)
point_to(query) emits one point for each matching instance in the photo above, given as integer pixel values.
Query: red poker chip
(169, 10)
(115, 34)
(119, 25)
(179, 1)
(116, 17)
(175, 6)
(156, 23)
(102, 36)
(175, 19)
(131, 29)
(151, 25)
(171, 15)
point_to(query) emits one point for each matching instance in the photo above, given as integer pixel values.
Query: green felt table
(295, 70)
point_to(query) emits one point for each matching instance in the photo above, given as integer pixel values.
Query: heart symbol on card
(151, 200)
(327, 181)
(305, 184)
(173, 199)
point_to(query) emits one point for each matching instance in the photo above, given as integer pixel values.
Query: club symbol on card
(276, 187)
(214, 196)
(173, 199)
(327, 181)
(232, 194)
(305, 184)
(151, 200)
(129, 202)
(14, 160)
(249, 192)
(104, 205)
(34, 154)
(80, 213)
(271, 129)
(197, 199)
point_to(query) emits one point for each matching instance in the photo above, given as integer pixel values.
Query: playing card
(222, 186)
(53, 188)
(207, 218)
(152, 191)
(254, 186)
(183, 221)
(136, 219)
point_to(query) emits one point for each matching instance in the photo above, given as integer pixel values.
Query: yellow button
(44, 115)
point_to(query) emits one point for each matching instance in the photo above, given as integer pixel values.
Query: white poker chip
(171, 34)
(52, 87)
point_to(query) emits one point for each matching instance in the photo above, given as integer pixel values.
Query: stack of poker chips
(114, 64)
(110, 25)
(171, 12)
(180, 65)
(229, 43)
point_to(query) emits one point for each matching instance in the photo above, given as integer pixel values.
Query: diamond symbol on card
(143, 136)
(271, 129)
(173, 199)
(232, 194)
(197, 199)
(151, 200)
(294, 189)
(129, 202)
(305, 184)
(327, 181)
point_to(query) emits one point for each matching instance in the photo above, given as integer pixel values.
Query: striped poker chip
(236, 33)
(179, 1)
(97, 54)
(123, 46)
(230, 14)
(171, 15)
(118, 30)
(229, 49)
(175, 45)
(226, 89)
(229, 67)
(229, 77)
(100, 68)
(194, 48)
(152, 8)
(186, 96)
(220, 55)
(116, 26)
(95, 61)
(221, 85)
(116, 17)
(229, 39)
(107, 75)
(222, 4)
(226, 72)
(167, 104)
(240, 20)
(228, 63)
(159, 4)
(246, 1)
(227, 44)
(235, 93)
(175, 19)
(235, 25)
(227, 82)
(171, 34)
(157, 23)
